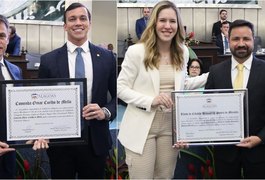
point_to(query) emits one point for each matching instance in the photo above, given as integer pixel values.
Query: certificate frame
(63, 133)
(208, 117)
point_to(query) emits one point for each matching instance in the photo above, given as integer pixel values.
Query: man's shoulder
(217, 22)
(95, 48)
(17, 37)
(55, 51)
(11, 65)
(221, 65)
(219, 38)
(259, 61)
(140, 19)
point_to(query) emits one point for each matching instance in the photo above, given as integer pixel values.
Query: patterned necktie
(238, 83)
(1, 74)
(79, 64)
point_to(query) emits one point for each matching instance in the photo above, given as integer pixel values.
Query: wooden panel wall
(199, 20)
(42, 38)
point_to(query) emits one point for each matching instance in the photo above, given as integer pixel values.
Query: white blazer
(138, 88)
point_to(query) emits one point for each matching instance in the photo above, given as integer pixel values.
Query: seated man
(217, 25)
(13, 46)
(222, 39)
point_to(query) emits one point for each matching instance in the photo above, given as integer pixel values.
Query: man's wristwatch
(107, 113)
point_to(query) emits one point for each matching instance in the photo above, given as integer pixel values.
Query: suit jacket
(216, 28)
(220, 78)
(138, 88)
(13, 46)
(8, 161)
(140, 27)
(220, 44)
(55, 65)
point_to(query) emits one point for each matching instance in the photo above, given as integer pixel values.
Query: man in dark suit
(13, 46)
(216, 30)
(8, 71)
(84, 161)
(141, 23)
(249, 153)
(222, 39)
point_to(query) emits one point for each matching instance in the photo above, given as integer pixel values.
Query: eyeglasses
(195, 67)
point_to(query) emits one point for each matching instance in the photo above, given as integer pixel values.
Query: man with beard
(249, 153)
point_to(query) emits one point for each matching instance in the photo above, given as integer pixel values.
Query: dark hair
(241, 23)
(4, 20)
(74, 6)
(225, 22)
(197, 60)
(222, 10)
(13, 29)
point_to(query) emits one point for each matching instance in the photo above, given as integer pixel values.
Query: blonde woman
(152, 69)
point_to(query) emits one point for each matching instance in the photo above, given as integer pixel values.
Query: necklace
(165, 60)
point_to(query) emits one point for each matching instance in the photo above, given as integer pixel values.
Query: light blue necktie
(80, 73)
(226, 43)
(79, 64)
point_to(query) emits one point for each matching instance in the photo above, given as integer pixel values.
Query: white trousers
(159, 159)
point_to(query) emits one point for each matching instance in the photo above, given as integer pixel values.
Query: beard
(241, 52)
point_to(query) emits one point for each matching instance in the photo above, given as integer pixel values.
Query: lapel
(179, 84)
(96, 57)
(155, 79)
(254, 73)
(227, 74)
(62, 62)
(10, 70)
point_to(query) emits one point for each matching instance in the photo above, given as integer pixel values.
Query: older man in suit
(249, 153)
(8, 71)
(141, 23)
(99, 69)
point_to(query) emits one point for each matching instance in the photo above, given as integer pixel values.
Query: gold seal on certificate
(210, 116)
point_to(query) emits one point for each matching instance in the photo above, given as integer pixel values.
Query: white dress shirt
(4, 70)
(246, 70)
(87, 62)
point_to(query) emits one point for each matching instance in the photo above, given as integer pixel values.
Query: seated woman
(195, 67)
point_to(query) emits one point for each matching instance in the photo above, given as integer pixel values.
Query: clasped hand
(39, 144)
(93, 111)
(163, 99)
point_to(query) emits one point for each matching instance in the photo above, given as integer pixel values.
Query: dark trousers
(8, 165)
(77, 161)
(233, 169)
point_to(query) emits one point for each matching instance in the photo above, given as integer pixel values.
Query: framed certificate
(210, 117)
(43, 108)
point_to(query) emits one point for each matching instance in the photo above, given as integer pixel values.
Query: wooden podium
(207, 52)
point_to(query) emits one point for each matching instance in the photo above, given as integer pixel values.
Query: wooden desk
(22, 62)
(207, 52)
